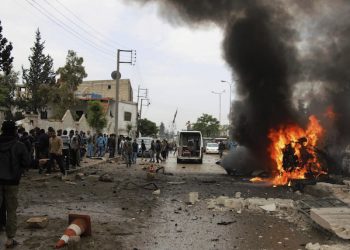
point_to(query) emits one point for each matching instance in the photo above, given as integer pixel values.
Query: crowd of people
(157, 151)
(44, 149)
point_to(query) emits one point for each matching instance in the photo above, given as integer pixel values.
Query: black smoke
(276, 48)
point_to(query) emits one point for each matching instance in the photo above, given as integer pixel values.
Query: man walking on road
(14, 158)
(135, 149)
(56, 147)
(128, 151)
(221, 148)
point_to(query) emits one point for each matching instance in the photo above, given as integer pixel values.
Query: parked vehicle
(190, 146)
(212, 148)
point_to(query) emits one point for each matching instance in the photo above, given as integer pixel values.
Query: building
(103, 91)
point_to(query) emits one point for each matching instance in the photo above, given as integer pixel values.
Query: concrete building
(103, 91)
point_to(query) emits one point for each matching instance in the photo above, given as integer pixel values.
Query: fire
(330, 114)
(293, 150)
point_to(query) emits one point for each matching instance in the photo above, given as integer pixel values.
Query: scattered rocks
(317, 246)
(106, 178)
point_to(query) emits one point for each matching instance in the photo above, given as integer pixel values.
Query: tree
(207, 124)
(95, 116)
(73, 72)
(61, 98)
(39, 74)
(8, 78)
(70, 76)
(161, 130)
(5, 54)
(147, 128)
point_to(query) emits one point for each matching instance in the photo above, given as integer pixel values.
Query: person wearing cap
(14, 159)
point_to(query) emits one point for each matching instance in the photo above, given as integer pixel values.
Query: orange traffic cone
(78, 225)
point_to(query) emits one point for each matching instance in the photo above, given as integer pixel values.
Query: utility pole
(219, 93)
(116, 76)
(230, 84)
(142, 94)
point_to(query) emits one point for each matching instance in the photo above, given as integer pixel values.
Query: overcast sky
(179, 66)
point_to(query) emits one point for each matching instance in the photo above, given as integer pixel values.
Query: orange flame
(302, 142)
(330, 114)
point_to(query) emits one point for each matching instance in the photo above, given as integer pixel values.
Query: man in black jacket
(14, 158)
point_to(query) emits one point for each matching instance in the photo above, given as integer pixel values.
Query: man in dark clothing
(135, 149)
(158, 151)
(14, 159)
(66, 148)
(43, 144)
(143, 149)
(221, 148)
(111, 145)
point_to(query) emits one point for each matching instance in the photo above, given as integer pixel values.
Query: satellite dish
(115, 74)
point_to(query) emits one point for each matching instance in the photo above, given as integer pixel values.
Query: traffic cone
(78, 225)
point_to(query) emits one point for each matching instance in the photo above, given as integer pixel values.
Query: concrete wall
(106, 88)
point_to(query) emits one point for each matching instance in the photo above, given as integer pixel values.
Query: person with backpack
(14, 158)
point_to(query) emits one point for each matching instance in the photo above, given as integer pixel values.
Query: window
(127, 116)
(109, 86)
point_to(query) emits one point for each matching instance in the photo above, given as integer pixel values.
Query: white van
(190, 146)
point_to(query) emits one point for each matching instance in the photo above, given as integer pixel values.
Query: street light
(230, 84)
(219, 93)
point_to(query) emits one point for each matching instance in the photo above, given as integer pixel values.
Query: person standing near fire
(221, 148)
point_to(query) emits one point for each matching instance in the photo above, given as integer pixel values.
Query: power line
(72, 29)
(107, 40)
(79, 26)
(69, 30)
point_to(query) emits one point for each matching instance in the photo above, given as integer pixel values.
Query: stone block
(334, 219)
(221, 200)
(233, 203)
(193, 197)
(38, 222)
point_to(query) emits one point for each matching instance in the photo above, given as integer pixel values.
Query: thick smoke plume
(280, 51)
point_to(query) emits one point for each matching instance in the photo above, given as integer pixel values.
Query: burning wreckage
(295, 154)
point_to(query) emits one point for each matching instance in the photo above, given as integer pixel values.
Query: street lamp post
(230, 84)
(219, 94)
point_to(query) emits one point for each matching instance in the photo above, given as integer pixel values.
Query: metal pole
(117, 98)
(230, 85)
(220, 108)
(219, 93)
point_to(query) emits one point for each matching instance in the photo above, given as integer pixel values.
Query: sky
(179, 65)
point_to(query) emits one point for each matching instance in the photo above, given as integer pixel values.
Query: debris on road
(253, 204)
(193, 197)
(335, 219)
(38, 222)
(156, 192)
(225, 223)
(269, 207)
(106, 178)
(317, 246)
